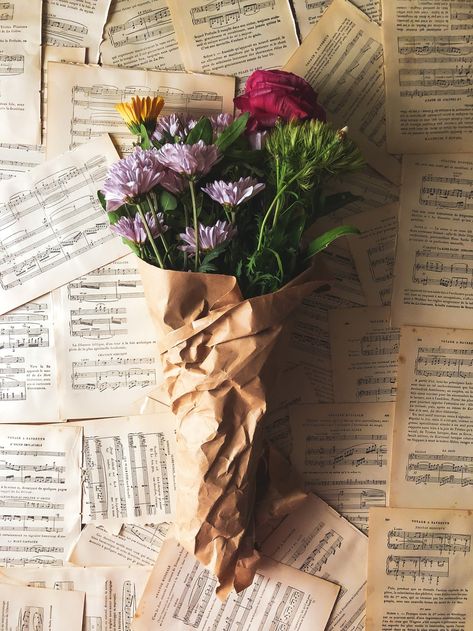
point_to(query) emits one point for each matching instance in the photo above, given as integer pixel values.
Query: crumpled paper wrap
(214, 348)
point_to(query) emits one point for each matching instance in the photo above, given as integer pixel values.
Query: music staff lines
(444, 45)
(113, 379)
(64, 32)
(147, 27)
(377, 344)
(399, 539)
(362, 454)
(140, 446)
(353, 499)
(450, 270)
(440, 469)
(327, 547)
(418, 567)
(212, 14)
(442, 362)
(381, 262)
(11, 65)
(104, 291)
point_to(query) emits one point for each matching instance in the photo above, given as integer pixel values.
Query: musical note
(440, 469)
(447, 542)
(146, 27)
(12, 65)
(417, 567)
(212, 14)
(62, 32)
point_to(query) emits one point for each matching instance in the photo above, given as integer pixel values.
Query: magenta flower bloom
(233, 193)
(174, 126)
(173, 182)
(209, 236)
(220, 122)
(132, 177)
(134, 230)
(193, 161)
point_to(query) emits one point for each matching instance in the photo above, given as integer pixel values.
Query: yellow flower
(141, 111)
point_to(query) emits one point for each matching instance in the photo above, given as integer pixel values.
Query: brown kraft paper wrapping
(214, 348)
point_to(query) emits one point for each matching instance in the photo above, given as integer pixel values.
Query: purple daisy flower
(173, 182)
(173, 126)
(134, 230)
(233, 193)
(209, 236)
(131, 177)
(220, 122)
(192, 161)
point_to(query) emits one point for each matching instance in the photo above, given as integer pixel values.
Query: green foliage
(231, 134)
(202, 131)
(324, 240)
(167, 201)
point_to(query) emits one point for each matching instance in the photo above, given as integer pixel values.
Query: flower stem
(196, 224)
(150, 236)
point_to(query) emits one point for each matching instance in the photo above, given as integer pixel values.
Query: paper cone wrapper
(214, 347)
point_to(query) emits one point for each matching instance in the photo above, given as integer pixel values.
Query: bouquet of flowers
(216, 210)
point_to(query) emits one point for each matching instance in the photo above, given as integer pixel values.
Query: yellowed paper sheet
(343, 453)
(308, 12)
(373, 251)
(52, 227)
(111, 594)
(141, 35)
(433, 467)
(279, 595)
(105, 343)
(365, 350)
(20, 72)
(31, 608)
(77, 93)
(433, 277)
(427, 47)
(134, 545)
(129, 469)
(293, 387)
(234, 37)
(319, 541)
(28, 368)
(40, 493)
(309, 343)
(342, 58)
(75, 23)
(419, 570)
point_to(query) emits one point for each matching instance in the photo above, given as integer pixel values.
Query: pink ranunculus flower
(273, 94)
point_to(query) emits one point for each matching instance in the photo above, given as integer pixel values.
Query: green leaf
(101, 198)
(167, 201)
(113, 217)
(145, 141)
(202, 131)
(232, 132)
(133, 247)
(324, 240)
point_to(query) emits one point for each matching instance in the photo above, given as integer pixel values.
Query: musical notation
(55, 221)
(146, 27)
(461, 15)
(449, 78)
(441, 469)
(444, 45)
(12, 65)
(446, 192)
(61, 32)
(212, 14)
(326, 548)
(113, 379)
(93, 109)
(31, 523)
(7, 11)
(313, 5)
(104, 291)
(98, 324)
(399, 539)
(354, 499)
(380, 343)
(195, 597)
(418, 567)
(451, 270)
(376, 394)
(152, 536)
(381, 261)
(444, 362)
(139, 446)
(362, 454)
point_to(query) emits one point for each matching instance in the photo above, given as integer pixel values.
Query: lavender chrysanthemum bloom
(233, 193)
(257, 139)
(173, 182)
(193, 161)
(209, 237)
(173, 126)
(134, 230)
(220, 122)
(131, 177)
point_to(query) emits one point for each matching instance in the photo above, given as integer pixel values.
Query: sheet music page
(28, 366)
(38, 609)
(135, 544)
(427, 47)
(234, 37)
(20, 71)
(319, 541)
(373, 251)
(40, 493)
(343, 452)
(342, 59)
(419, 570)
(111, 594)
(141, 35)
(433, 467)
(52, 226)
(308, 12)
(129, 469)
(75, 23)
(293, 387)
(365, 351)
(181, 594)
(433, 274)
(309, 344)
(78, 92)
(105, 342)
